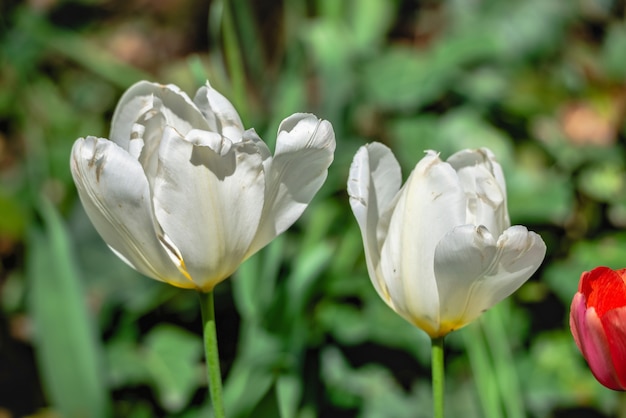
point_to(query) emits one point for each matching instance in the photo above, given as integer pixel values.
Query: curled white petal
(475, 272)
(219, 144)
(145, 98)
(304, 150)
(115, 194)
(483, 182)
(373, 184)
(219, 113)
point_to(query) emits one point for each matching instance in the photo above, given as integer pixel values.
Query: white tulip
(440, 249)
(183, 194)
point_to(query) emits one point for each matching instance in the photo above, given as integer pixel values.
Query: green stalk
(621, 405)
(503, 363)
(211, 353)
(438, 376)
(234, 60)
(482, 369)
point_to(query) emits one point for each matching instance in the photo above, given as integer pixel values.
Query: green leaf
(255, 281)
(126, 363)
(300, 283)
(370, 20)
(172, 356)
(556, 374)
(244, 389)
(78, 49)
(288, 393)
(403, 77)
(400, 78)
(613, 51)
(532, 199)
(67, 350)
(563, 275)
(372, 386)
(268, 406)
(604, 181)
(13, 218)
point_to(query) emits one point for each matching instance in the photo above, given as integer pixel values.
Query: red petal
(577, 312)
(604, 289)
(590, 338)
(614, 324)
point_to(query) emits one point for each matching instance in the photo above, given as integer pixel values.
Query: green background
(302, 332)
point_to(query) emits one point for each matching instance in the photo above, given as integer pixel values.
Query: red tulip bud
(598, 324)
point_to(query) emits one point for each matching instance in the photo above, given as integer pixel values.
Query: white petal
(219, 113)
(251, 136)
(145, 139)
(483, 182)
(462, 258)
(208, 198)
(220, 145)
(304, 149)
(431, 203)
(373, 183)
(474, 272)
(145, 98)
(114, 192)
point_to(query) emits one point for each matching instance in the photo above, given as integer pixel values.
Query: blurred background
(302, 332)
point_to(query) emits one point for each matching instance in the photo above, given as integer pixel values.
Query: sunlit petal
(475, 272)
(485, 190)
(304, 151)
(430, 204)
(462, 258)
(373, 183)
(208, 197)
(114, 192)
(146, 99)
(219, 113)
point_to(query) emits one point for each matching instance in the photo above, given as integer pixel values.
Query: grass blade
(66, 347)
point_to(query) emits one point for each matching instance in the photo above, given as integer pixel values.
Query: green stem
(211, 353)
(438, 376)
(621, 412)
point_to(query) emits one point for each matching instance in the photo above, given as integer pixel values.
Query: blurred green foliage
(302, 332)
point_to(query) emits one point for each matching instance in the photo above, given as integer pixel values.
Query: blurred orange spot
(586, 124)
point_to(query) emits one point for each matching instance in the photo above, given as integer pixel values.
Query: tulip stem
(621, 413)
(438, 376)
(211, 352)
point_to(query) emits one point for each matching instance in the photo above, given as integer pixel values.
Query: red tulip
(598, 324)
